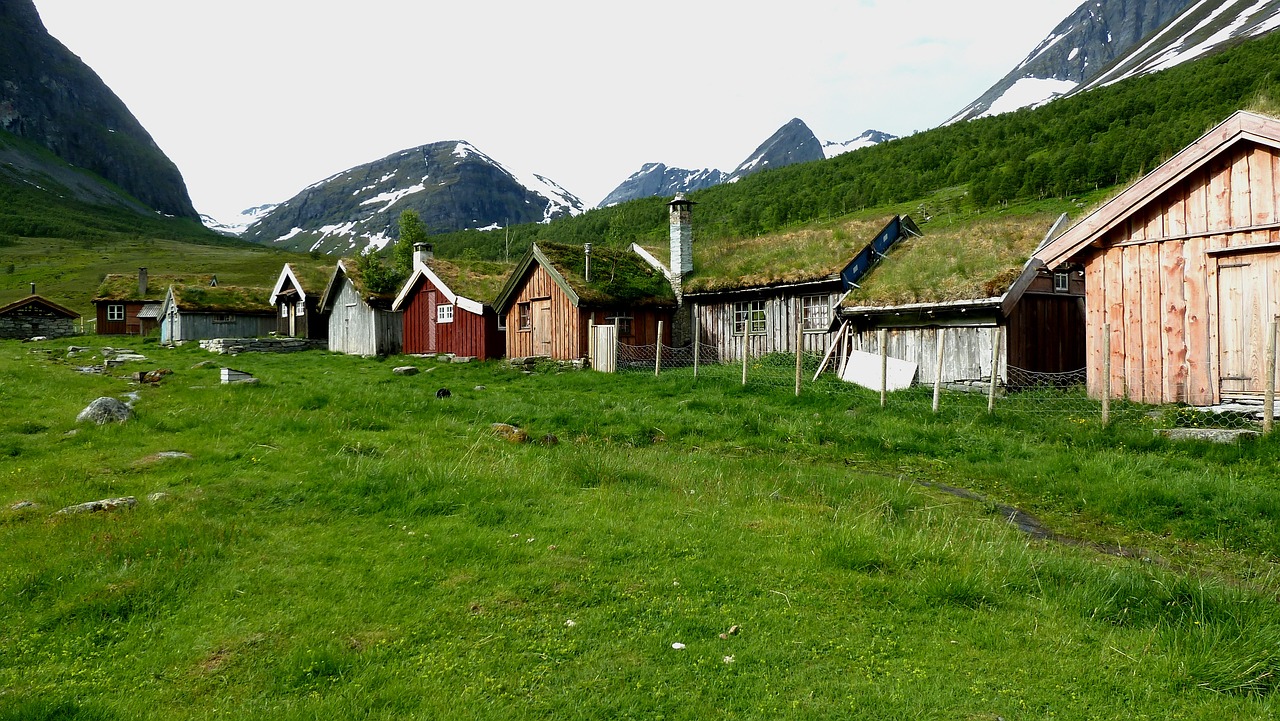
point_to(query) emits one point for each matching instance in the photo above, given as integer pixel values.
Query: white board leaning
(863, 369)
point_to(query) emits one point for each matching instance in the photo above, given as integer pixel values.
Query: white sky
(255, 100)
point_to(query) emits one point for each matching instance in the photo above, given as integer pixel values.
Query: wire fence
(1016, 392)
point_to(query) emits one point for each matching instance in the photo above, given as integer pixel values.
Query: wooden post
(1269, 396)
(696, 336)
(937, 372)
(591, 340)
(657, 352)
(799, 348)
(745, 339)
(995, 369)
(883, 336)
(1106, 373)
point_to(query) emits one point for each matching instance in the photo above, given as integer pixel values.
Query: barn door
(542, 327)
(431, 321)
(1246, 305)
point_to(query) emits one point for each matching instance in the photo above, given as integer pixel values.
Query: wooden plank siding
(358, 329)
(715, 321)
(966, 349)
(131, 325)
(185, 326)
(468, 334)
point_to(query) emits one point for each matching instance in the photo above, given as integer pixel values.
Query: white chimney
(681, 237)
(422, 252)
(586, 253)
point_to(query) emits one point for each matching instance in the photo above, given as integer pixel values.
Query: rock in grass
(106, 504)
(405, 371)
(508, 432)
(105, 410)
(21, 505)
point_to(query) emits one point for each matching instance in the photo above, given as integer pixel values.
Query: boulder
(510, 433)
(105, 410)
(405, 371)
(106, 504)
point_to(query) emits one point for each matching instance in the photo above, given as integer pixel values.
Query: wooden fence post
(995, 369)
(746, 337)
(1269, 397)
(697, 334)
(883, 336)
(1106, 373)
(937, 371)
(657, 352)
(591, 341)
(799, 348)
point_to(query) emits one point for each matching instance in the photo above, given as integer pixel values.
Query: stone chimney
(142, 282)
(681, 238)
(422, 252)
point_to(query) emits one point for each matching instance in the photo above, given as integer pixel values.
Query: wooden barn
(361, 321)
(130, 305)
(968, 283)
(448, 306)
(35, 316)
(753, 297)
(1182, 266)
(296, 295)
(200, 312)
(554, 295)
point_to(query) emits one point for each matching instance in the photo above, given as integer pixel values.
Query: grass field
(344, 545)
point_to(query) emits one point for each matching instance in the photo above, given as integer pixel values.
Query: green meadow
(343, 544)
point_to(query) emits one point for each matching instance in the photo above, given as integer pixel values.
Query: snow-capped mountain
(451, 185)
(1105, 41)
(240, 223)
(792, 143)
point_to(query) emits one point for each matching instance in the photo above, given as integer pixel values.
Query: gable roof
(38, 300)
(348, 269)
(124, 286)
(219, 299)
(469, 284)
(1241, 127)
(619, 277)
(309, 280)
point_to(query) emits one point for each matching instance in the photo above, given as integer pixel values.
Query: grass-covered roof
(222, 299)
(124, 286)
(479, 280)
(618, 275)
(381, 300)
(960, 259)
(313, 276)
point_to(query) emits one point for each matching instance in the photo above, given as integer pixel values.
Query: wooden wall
(468, 335)
(202, 326)
(966, 348)
(131, 325)
(715, 324)
(1046, 333)
(1155, 279)
(358, 329)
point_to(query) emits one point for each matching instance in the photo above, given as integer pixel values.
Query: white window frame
(750, 313)
(623, 323)
(224, 318)
(816, 312)
(115, 312)
(302, 308)
(284, 310)
(444, 313)
(524, 316)
(1061, 282)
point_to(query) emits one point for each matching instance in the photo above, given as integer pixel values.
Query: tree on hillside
(411, 231)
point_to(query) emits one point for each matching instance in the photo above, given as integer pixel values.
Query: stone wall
(22, 325)
(261, 345)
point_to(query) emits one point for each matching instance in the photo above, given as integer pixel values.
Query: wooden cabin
(200, 312)
(448, 306)
(296, 296)
(35, 316)
(130, 305)
(1182, 267)
(1038, 313)
(361, 321)
(555, 293)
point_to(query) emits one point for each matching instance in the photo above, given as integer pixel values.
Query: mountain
(51, 99)
(451, 185)
(792, 143)
(1105, 41)
(240, 224)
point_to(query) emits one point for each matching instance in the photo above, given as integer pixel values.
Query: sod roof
(619, 276)
(966, 260)
(479, 280)
(312, 276)
(124, 286)
(351, 269)
(222, 299)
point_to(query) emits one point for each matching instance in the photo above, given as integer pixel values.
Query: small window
(444, 314)
(224, 319)
(749, 317)
(623, 324)
(115, 312)
(524, 316)
(284, 310)
(302, 307)
(817, 313)
(1061, 282)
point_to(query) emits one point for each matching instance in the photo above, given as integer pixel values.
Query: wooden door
(431, 321)
(1246, 306)
(542, 327)
(293, 320)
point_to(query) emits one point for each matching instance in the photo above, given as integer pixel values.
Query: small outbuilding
(448, 306)
(1182, 268)
(130, 305)
(296, 295)
(361, 321)
(200, 312)
(36, 316)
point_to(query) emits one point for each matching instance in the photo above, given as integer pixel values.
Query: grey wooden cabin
(360, 322)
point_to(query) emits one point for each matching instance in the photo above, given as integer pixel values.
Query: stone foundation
(19, 326)
(262, 345)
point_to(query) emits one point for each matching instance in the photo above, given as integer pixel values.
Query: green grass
(344, 545)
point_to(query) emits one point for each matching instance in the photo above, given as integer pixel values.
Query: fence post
(883, 336)
(657, 352)
(937, 371)
(995, 369)
(799, 348)
(591, 341)
(697, 333)
(1106, 373)
(745, 338)
(1269, 397)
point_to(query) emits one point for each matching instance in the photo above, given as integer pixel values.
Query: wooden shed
(200, 312)
(296, 295)
(551, 298)
(35, 316)
(448, 307)
(967, 284)
(1182, 266)
(361, 321)
(130, 305)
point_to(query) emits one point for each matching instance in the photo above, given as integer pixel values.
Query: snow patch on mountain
(237, 225)
(1029, 93)
(831, 148)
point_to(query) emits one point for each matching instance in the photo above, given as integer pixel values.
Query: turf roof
(124, 286)
(351, 267)
(479, 280)
(222, 299)
(965, 260)
(618, 275)
(313, 276)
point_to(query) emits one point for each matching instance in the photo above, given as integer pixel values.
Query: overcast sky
(255, 100)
